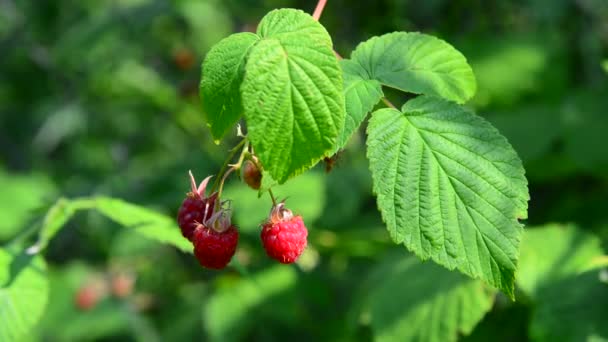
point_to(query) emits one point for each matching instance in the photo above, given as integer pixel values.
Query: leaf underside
(449, 187)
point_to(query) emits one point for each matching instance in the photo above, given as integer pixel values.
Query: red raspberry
(196, 208)
(284, 235)
(215, 239)
(214, 249)
(252, 175)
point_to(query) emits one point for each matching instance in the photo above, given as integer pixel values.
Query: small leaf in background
(526, 59)
(361, 94)
(221, 80)
(605, 65)
(571, 309)
(410, 300)
(208, 21)
(449, 187)
(521, 126)
(305, 196)
(417, 63)
(56, 217)
(553, 252)
(584, 124)
(20, 195)
(145, 221)
(23, 293)
(292, 94)
(230, 311)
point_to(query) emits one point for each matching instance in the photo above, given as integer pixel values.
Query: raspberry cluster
(205, 221)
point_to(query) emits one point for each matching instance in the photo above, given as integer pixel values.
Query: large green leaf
(553, 252)
(145, 221)
(292, 94)
(223, 71)
(23, 293)
(449, 187)
(411, 62)
(409, 300)
(361, 94)
(417, 63)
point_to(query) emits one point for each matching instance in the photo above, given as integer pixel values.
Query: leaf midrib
(477, 228)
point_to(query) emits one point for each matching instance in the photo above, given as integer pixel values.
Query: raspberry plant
(449, 186)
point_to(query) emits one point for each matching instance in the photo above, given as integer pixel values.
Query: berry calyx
(196, 208)
(215, 240)
(252, 175)
(284, 235)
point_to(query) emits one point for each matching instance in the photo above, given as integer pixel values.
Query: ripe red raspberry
(284, 235)
(215, 241)
(196, 207)
(252, 175)
(214, 249)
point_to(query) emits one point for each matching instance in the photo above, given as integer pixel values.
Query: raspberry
(214, 249)
(252, 175)
(215, 239)
(196, 207)
(284, 235)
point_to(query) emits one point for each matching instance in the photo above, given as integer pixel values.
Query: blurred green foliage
(101, 98)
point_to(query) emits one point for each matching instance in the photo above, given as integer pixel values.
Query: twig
(319, 9)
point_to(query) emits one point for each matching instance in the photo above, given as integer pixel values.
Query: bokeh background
(101, 98)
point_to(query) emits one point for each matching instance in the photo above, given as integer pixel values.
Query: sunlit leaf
(23, 293)
(292, 94)
(449, 188)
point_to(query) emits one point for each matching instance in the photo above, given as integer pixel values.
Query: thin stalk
(274, 201)
(319, 9)
(227, 161)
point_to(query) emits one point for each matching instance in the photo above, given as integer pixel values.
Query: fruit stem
(233, 167)
(233, 152)
(388, 103)
(319, 9)
(274, 201)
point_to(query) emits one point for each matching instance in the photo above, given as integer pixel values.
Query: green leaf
(605, 65)
(56, 217)
(417, 63)
(361, 94)
(20, 195)
(146, 222)
(23, 293)
(413, 301)
(449, 187)
(230, 311)
(222, 75)
(528, 59)
(571, 309)
(554, 252)
(292, 94)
